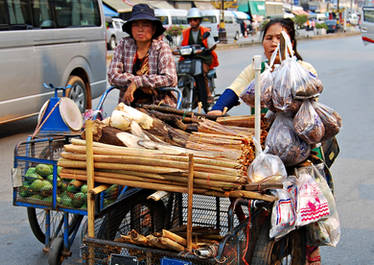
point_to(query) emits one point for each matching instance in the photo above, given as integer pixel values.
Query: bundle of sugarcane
(166, 240)
(162, 170)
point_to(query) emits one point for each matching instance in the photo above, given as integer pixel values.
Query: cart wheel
(290, 249)
(55, 256)
(37, 218)
(145, 216)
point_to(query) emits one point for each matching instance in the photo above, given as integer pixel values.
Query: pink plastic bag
(312, 205)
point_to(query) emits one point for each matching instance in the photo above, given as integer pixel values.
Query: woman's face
(271, 40)
(142, 30)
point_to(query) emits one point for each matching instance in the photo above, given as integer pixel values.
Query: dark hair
(289, 25)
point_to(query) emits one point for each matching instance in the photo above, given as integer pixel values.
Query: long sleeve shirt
(162, 70)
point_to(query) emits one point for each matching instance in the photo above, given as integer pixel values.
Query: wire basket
(147, 217)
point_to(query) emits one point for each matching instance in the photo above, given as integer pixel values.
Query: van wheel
(78, 92)
(113, 43)
(236, 36)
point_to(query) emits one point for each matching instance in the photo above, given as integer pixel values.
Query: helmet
(194, 13)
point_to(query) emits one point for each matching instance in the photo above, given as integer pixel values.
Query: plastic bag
(266, 84)
(312, 205)
(266, 167)
(284, 142)
(292, 81)
(330, 119)
(325, 232)
(283, 215)
(308, 124)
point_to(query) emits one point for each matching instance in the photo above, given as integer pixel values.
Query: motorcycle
(190, 76)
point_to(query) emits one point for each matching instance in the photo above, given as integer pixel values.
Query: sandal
(310, 258)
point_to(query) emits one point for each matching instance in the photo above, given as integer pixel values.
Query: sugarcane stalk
(150, 162)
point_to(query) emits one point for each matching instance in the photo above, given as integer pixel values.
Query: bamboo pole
(90, 186)
(209, 160)
(190, 199)
(98, 189)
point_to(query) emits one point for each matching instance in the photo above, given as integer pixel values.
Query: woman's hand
(215, 112)
(129, 94)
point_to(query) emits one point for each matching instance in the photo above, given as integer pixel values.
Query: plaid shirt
(162, 71)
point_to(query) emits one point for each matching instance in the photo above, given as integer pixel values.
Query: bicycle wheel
(145, 216)
(37, 219)
(289, 250)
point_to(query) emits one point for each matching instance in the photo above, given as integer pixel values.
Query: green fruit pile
(38, 185)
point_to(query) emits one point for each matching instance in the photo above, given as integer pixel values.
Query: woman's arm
(167, 75)
(116, 75)
(230, 96)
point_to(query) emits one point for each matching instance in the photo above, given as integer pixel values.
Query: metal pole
(257, 67)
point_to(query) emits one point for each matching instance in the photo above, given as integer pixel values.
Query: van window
(179, 20)
(29, 14)
(229, 20)
(164, 20)
(209, 19)
(369, 15)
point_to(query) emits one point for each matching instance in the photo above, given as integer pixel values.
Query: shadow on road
(16, 127)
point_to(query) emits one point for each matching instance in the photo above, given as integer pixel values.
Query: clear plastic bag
(266, 84)
(266, 167)
(312, 205)
(308, 124)
(325, 232)
(292, 81)
(284, 142)
(330, 119)
(283, 215)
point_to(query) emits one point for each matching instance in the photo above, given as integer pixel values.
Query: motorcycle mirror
(206, 35)
(169, 38)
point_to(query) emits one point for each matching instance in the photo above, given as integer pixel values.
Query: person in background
(194, 35)
(142, 62)
(230, 97)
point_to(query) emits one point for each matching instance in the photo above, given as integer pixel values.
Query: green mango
(43, 170)
(84, 188)
(78, 200)
(29, 171)
(36, 185)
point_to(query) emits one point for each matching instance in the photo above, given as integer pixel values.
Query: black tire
(112, 43)
(145, 216)
(37, 217)
(290, 249)
(78, 92)
(37, 222)
(55, 256)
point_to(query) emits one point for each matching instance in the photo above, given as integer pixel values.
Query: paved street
(344, 65)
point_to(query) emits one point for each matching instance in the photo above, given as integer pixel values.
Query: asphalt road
(345, 67)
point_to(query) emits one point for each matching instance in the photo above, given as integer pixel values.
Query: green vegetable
(29, 171)
(43, 170)
(36, 185)
(84, 188)
(78, 200)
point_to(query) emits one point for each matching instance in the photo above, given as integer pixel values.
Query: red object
(367, 39)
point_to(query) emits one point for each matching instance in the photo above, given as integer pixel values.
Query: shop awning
(241, 15)
(204, 5)
(108, 12)
(300, 12)
(257, 8)
(119, 6)
(152, 3)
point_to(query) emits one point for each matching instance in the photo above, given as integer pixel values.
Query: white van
(57, 42)
(171, 17)
(211, 19)
(367, 26)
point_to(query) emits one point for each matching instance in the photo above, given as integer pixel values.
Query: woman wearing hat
(142, 63)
